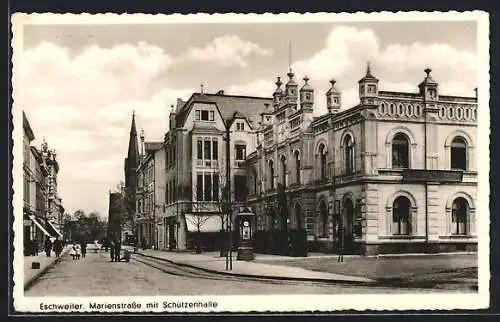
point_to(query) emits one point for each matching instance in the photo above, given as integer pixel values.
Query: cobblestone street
(95, 275)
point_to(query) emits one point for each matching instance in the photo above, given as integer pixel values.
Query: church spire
(133, 149)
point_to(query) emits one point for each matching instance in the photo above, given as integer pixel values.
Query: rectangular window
(240, 126)
(241, 153)
(211, 116)
(199, 148)
(199, 187)
(204, 115)
(240, 188)
(174, 157)
(206, 152)
(208, 187)
(215, 149)
(197, 115)
(216, 187)
(174, 190)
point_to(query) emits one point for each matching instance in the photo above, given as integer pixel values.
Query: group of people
(79, 250)
(57, 246)
(50, 244)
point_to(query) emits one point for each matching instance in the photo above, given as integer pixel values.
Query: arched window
(401, 216)
(322, 161)
(323, 219)
(458, 152)
(283, 170)
(271, 175)
(459, 211)
(349, 154)
(400, 151)
(297, 166)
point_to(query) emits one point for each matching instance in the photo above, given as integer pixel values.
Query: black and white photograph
(236, 163)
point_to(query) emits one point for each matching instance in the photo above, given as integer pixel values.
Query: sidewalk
(210, 261)
(30, 274)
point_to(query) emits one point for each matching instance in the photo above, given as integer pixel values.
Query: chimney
(172, 124)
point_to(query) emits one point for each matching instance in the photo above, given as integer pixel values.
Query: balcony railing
(422, 175)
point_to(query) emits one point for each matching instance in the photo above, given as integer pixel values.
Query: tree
(198, 220)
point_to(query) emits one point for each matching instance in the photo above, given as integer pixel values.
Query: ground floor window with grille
(459, 211)
(401, 216)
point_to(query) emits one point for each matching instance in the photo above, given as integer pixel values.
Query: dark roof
(27, 128)
(248, 106)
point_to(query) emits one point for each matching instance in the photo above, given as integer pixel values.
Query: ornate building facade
(40, 215)
(196, 173)
(395, 173)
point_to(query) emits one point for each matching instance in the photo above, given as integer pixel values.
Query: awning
(39, 225)
(205, 223)
(54, 229)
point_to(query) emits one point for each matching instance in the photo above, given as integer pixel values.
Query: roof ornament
(44, 145)
(201, 88)
(428, 71)
(368, 68)
(278, 82)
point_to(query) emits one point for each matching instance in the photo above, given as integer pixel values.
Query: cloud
(227, 50)
(82, 101)
(344, 47)
(261, 87)
(419, 55)
(456, 88)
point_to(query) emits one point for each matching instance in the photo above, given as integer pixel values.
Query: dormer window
(204, 115)
(371, 89)
(335, 100)
(308, 96)
(240, 126)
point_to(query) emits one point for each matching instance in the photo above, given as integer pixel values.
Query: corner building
(395, 173)
(195, 163)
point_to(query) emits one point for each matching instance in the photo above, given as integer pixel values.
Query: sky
(80, 83)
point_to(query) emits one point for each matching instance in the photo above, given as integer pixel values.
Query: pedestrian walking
(96, 246)
(58, 247)
(34, 245)
(78, 251)
(73, 252)
(48, 246)
(112, 250)
(117, 251)
(83, 246)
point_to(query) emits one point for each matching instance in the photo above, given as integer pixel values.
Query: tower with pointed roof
(291, 91)
(333, 98)
(131, 163)
(368, 88)
(278, 94)
(429, 87)
(306, 96)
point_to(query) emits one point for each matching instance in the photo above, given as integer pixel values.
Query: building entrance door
(348, 220)
(171, 236)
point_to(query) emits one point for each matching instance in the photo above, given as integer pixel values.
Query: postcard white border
(275, 303)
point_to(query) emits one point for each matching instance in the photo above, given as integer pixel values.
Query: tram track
(187, 271)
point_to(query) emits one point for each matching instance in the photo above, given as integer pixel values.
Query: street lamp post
(229, 257)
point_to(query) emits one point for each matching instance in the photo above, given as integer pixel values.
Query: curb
(302, 279)
(29, 283)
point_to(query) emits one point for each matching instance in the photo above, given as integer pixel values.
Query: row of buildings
(397, 172)
(42, 208)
